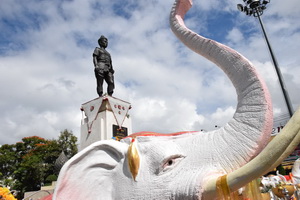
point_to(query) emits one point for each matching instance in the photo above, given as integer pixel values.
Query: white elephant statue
(189, 165)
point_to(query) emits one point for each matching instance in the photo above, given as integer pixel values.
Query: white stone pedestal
(104, 118)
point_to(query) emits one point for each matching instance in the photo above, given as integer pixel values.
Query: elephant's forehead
(170, 145)
(159, 149)
(147, 133)
(196, 147)
(164, 143)
(153, 137)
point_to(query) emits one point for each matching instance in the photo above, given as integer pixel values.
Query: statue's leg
(110, 83)
(99, 79)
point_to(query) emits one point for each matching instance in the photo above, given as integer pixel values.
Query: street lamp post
(256, 8)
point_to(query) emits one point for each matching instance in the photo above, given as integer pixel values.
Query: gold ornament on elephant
(284, 189)
(133, 159)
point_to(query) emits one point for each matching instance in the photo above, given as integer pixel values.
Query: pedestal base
(104, 118)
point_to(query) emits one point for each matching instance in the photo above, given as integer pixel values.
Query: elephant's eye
(171, 162)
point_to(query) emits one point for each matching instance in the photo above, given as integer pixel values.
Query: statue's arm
(95, 57)
(95, 60)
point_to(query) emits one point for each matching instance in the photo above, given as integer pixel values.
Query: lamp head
(254, 3)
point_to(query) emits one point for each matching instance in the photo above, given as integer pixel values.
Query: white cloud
(222, 114)
(235, 36)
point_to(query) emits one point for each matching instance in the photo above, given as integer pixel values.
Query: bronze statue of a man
(103, 67)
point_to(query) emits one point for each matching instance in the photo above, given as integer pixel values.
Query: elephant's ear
(88, 175)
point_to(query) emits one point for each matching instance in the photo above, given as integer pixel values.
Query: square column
(104, 118)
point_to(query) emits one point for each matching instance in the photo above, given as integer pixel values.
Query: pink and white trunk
(250, 129)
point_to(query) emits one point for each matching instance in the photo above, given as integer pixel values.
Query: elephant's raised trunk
(253, 120)
(250, 129)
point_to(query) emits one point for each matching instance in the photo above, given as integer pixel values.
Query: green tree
(31, 167)
(8, 160)
(67, 142)
(27, 165)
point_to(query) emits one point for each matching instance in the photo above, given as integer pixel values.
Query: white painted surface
(99, 118)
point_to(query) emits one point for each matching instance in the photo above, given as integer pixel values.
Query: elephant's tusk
(293, 126)
(274, 153)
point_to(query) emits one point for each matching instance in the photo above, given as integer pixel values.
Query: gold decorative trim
(133, 159)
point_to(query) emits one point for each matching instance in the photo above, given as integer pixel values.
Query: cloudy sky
(46, 68)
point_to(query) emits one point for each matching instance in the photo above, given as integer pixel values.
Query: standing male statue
(103, 67)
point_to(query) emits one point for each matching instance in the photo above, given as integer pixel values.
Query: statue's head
(103, 42)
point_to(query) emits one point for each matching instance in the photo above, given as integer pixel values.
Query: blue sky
(46, 69)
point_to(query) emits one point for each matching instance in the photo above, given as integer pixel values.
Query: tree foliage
(66, 141)
(29, 164)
